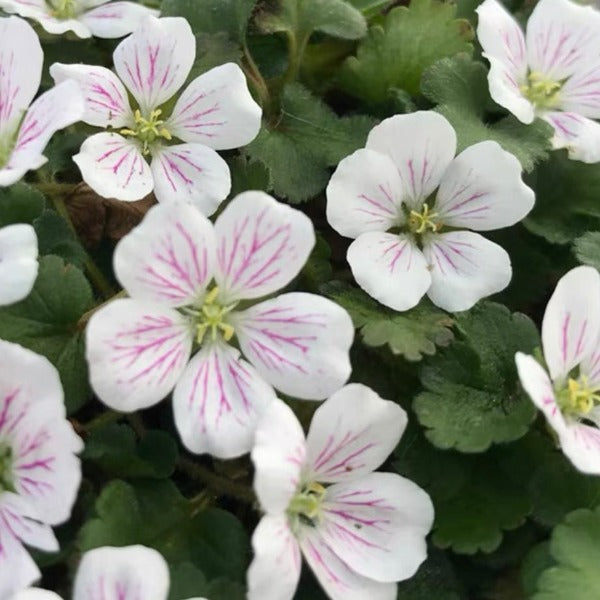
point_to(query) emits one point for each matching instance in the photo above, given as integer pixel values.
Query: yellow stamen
(419, 222)
(211, 317)
(541, 91)
(581, 397)
(149, 130)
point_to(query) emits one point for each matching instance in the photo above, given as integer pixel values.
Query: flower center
(305, 506)
(540, 90)
(211, 318)
(578, 398)
(148, 130)
(6, 482)
(64, 9)
(420, 222)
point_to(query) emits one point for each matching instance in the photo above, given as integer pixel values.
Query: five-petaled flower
(214, 112)
(570, 396)
(86, 18)
(553, 71)
(407, 243)
(190, 285)
(362, 533)
(18, 262)
(25, 130)
(107, 573)
(39, 470)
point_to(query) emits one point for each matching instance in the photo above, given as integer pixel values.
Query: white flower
(214, 112)
(86, 18)
(138, 348)
(107, 573)
(25, 130)
(553, 71)
(570, 396)
(18, 262)
(385, 197)
(359, 535)
(39, 472)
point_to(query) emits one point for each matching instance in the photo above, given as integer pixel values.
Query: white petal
(581, 92)
(26, 8)
(21, 60)
(262, 245)
(217, 110)
(571, 324)
(579, 135)
(17, 568)
(364, 194)
(562, 38)
(351, 434)
(580, 443)
(278, 454)
(136, 352)
(115, 19)
(298, 342)
(339, 581)
(190, 173)
(155, 60)
(465, 267)
(422, 145)
(35, 594)
(56, 109)
(219, 401)
(104, 95)
(390, 268)
(377, 525)
(18, 262)
(129, 573)
(482, 190)
(275, 568)
(114, 167)
(169, 257)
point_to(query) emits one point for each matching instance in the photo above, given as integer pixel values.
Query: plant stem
(255, 76)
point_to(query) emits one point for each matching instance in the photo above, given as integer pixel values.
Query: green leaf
(247, 175)
(155, 514)
(473, 397)
(411, 334)
(396, 54)
(20, 203)
(308, 139)
(574, 546)
(459, 87)
(212, 50)
(302, 17)
(115, 450)
(55, 237)
(370, 8)
(188, 581)
(587, 249)
(534, 564)
(46, 322)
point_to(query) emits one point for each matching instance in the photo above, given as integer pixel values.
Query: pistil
(541, 91)
(211, 318)
(578, 398)
(64, 9)
(148, 130)
(6, 482)
(420, 222)
(305, 507)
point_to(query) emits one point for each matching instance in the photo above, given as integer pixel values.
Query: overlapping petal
(482, 189)
(377, 525)
(217, 110)
(579, 135)
(298, 342)
(104, 95)
(18, 262)
(218, 402)
(571, 325)
(351, 434)
(465, 267)
(169, 258)
(581, 92)
(114, 167)
(275, 569)
(115, 19)
(390, 268)
(279, 456)
(364, 194)
(190, 173)
(155, 60)
(261, 246)
(136, 352)
(35, 594)
(421, 145)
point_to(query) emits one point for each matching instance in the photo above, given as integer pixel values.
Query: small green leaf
(473, 397)
(534, 564)
(188, 581)
(308, 139)
(587, 249)
(115, 450)
(411, 334)
(459, 87)
(46, 322)
(247, 175)
(574, 546)
(20, 203)
(55, 237)
(212, 50)
(396, 54)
